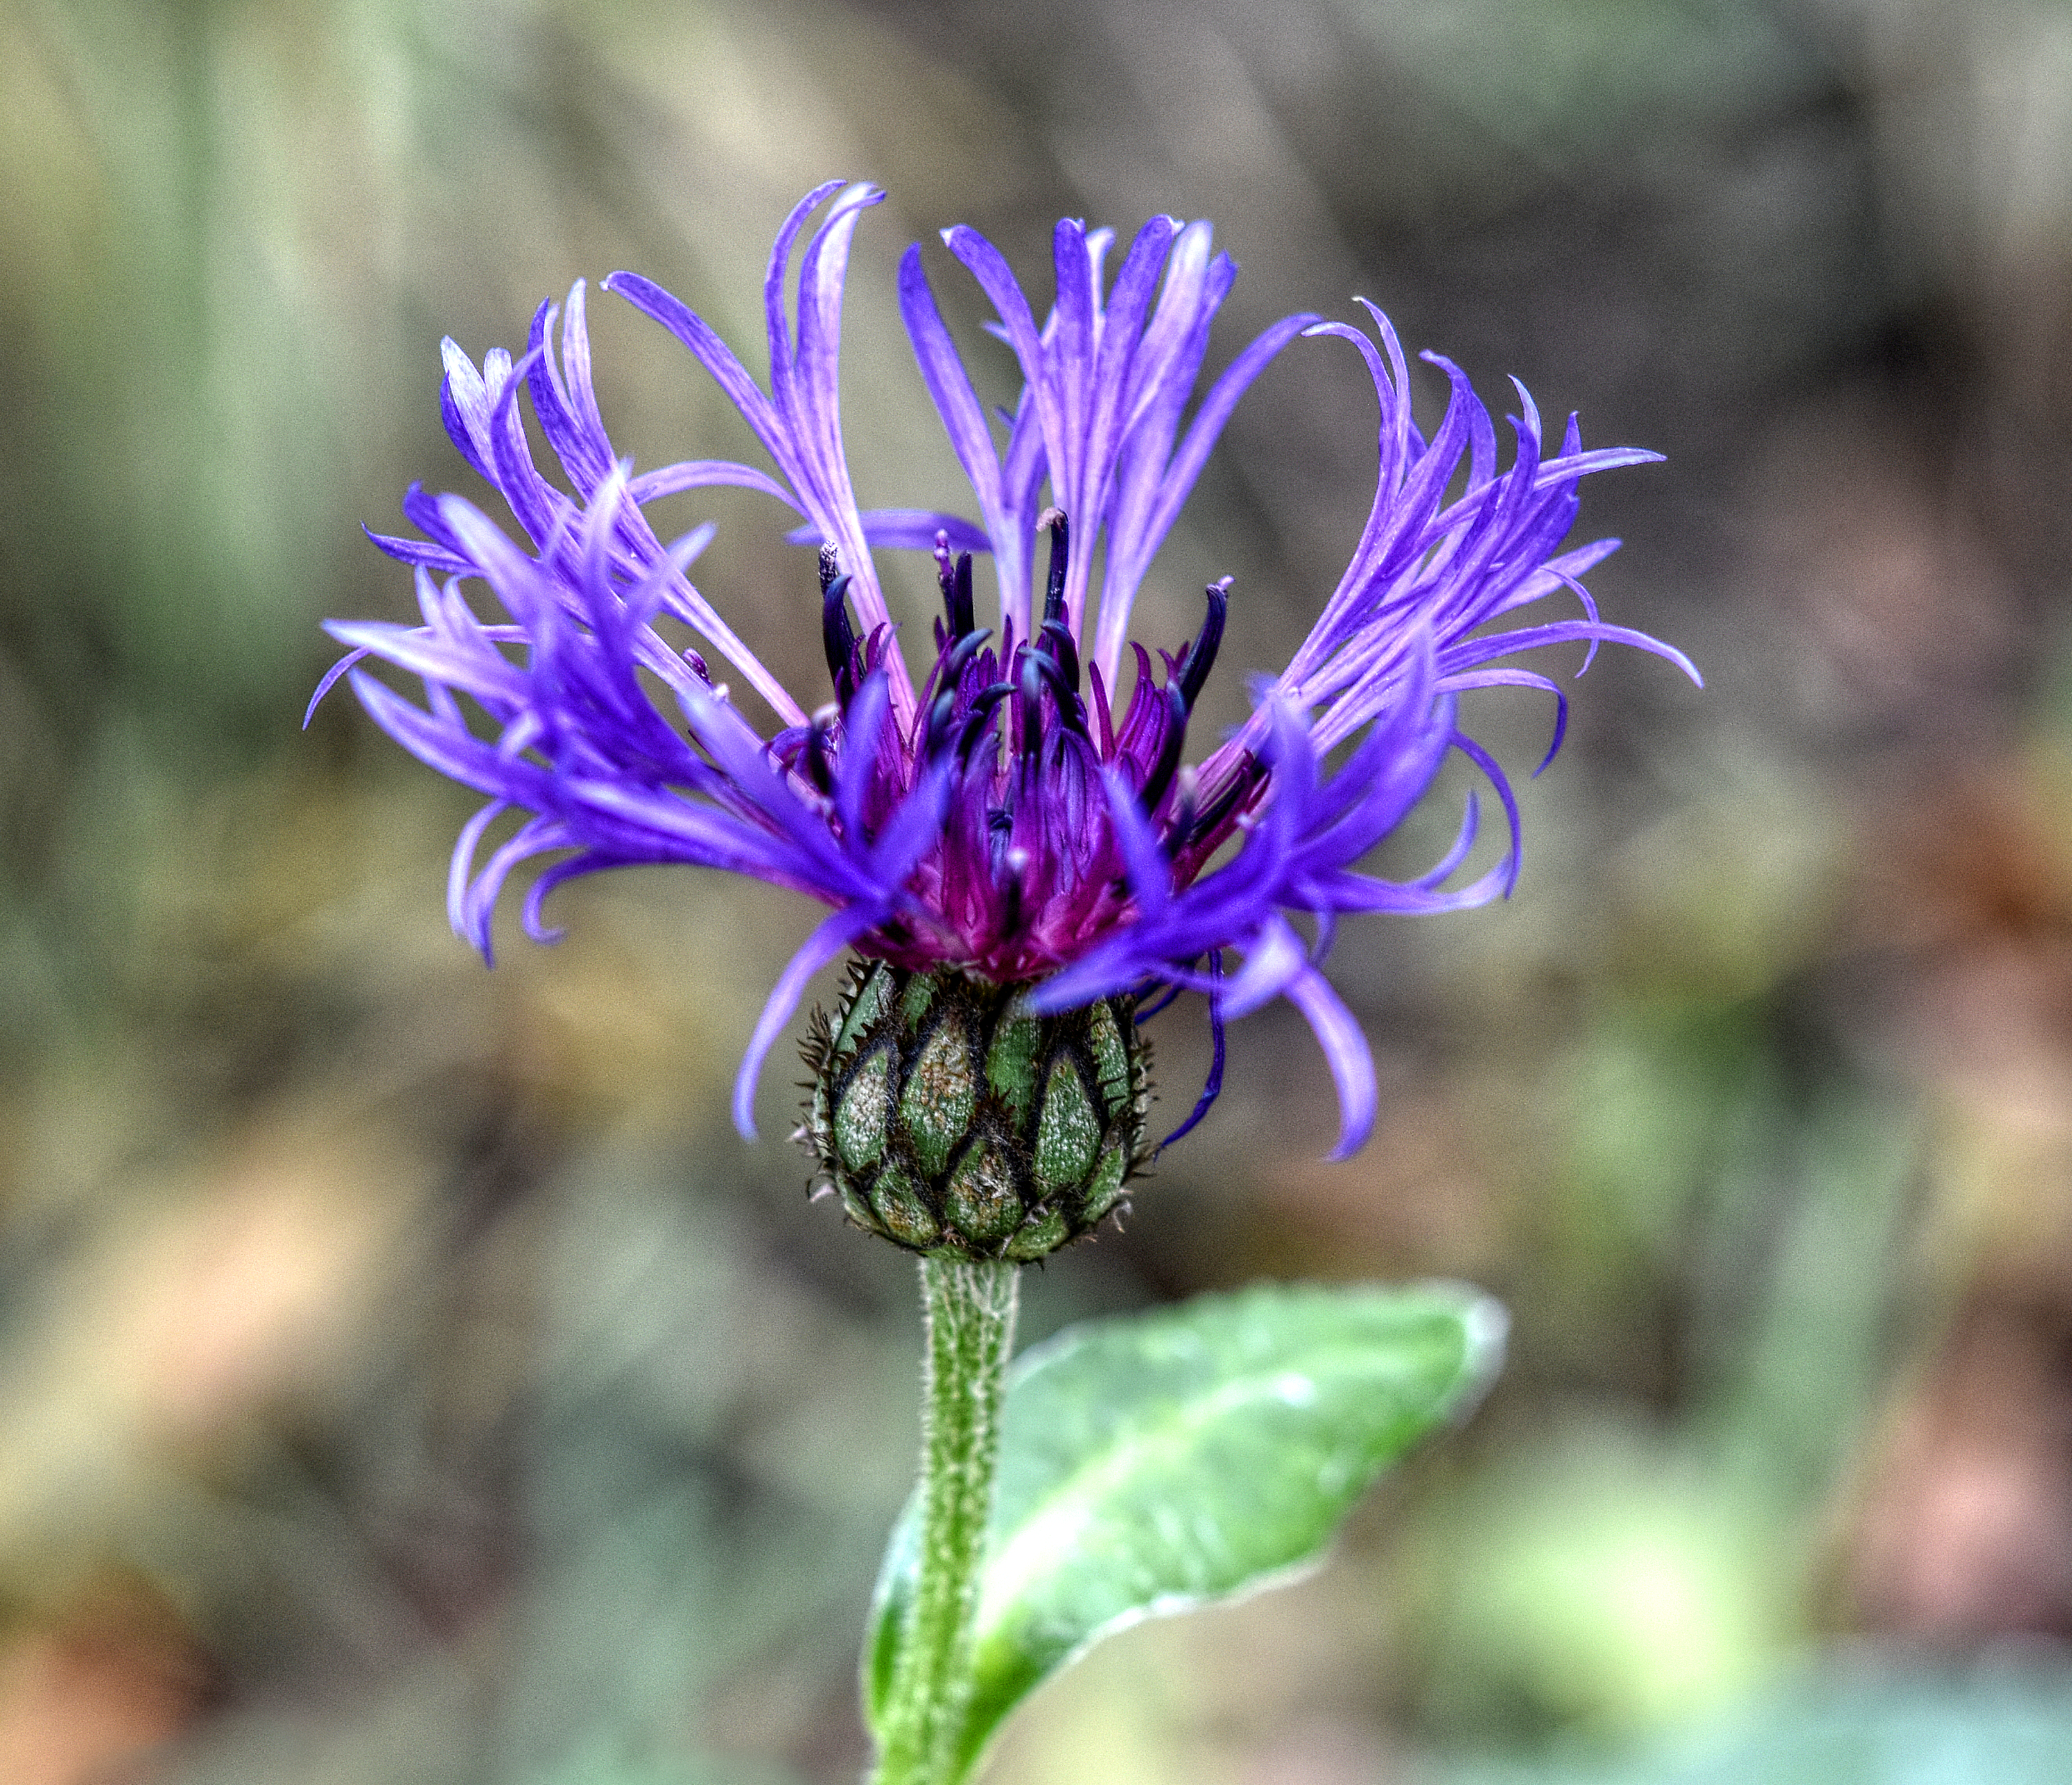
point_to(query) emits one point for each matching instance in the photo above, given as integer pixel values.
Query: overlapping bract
(1011, 815)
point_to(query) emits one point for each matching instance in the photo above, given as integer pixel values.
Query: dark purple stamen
(942, 710)
(983, 704)
(1058, 637)
(838, 637)
(1071, 713)
(1032, 688)
(1210, 817)
(956, 595)
(1200, 658)
(820, 769)
(1060, 549)
(979, 720)
(1169, 749)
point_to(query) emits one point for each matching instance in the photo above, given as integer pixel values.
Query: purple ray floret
(1010, 814)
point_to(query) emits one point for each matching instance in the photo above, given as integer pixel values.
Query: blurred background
(406, 1374)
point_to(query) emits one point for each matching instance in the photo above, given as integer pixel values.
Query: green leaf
(1159, 1462)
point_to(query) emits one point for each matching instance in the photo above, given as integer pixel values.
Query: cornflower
(1022, 859)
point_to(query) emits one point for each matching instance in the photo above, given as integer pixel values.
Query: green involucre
(951, 1118)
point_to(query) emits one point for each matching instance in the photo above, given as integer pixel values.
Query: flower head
(1027, 813)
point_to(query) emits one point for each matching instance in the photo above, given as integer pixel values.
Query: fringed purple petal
(1345, 1052)
(1522, 678)
(948, 385)
(705, 474)
(1024, 824)
(478, 904)
(330, 680)
(799, 421)
(707, 348)
(1273, 959)
(824, 945)
(1566, 632)
(1212, 1086)
(530, 914)
(417, 552)
(908, 530)
(1501, 783)
(1137, 536)
(461, 871)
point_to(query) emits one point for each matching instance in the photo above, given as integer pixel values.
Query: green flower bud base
(950, 1118)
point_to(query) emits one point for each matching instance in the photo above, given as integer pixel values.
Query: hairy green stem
(970, 1318)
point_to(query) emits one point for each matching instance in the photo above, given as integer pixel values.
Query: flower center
(1031, 868)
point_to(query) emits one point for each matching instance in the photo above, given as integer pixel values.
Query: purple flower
(1016, 815)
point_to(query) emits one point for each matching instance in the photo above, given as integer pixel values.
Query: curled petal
(831, 940)
(460, 872)
(1345, 1051)
(1212, 1086)
(1276, 957)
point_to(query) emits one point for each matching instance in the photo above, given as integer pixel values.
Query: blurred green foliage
(2003, 1724)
